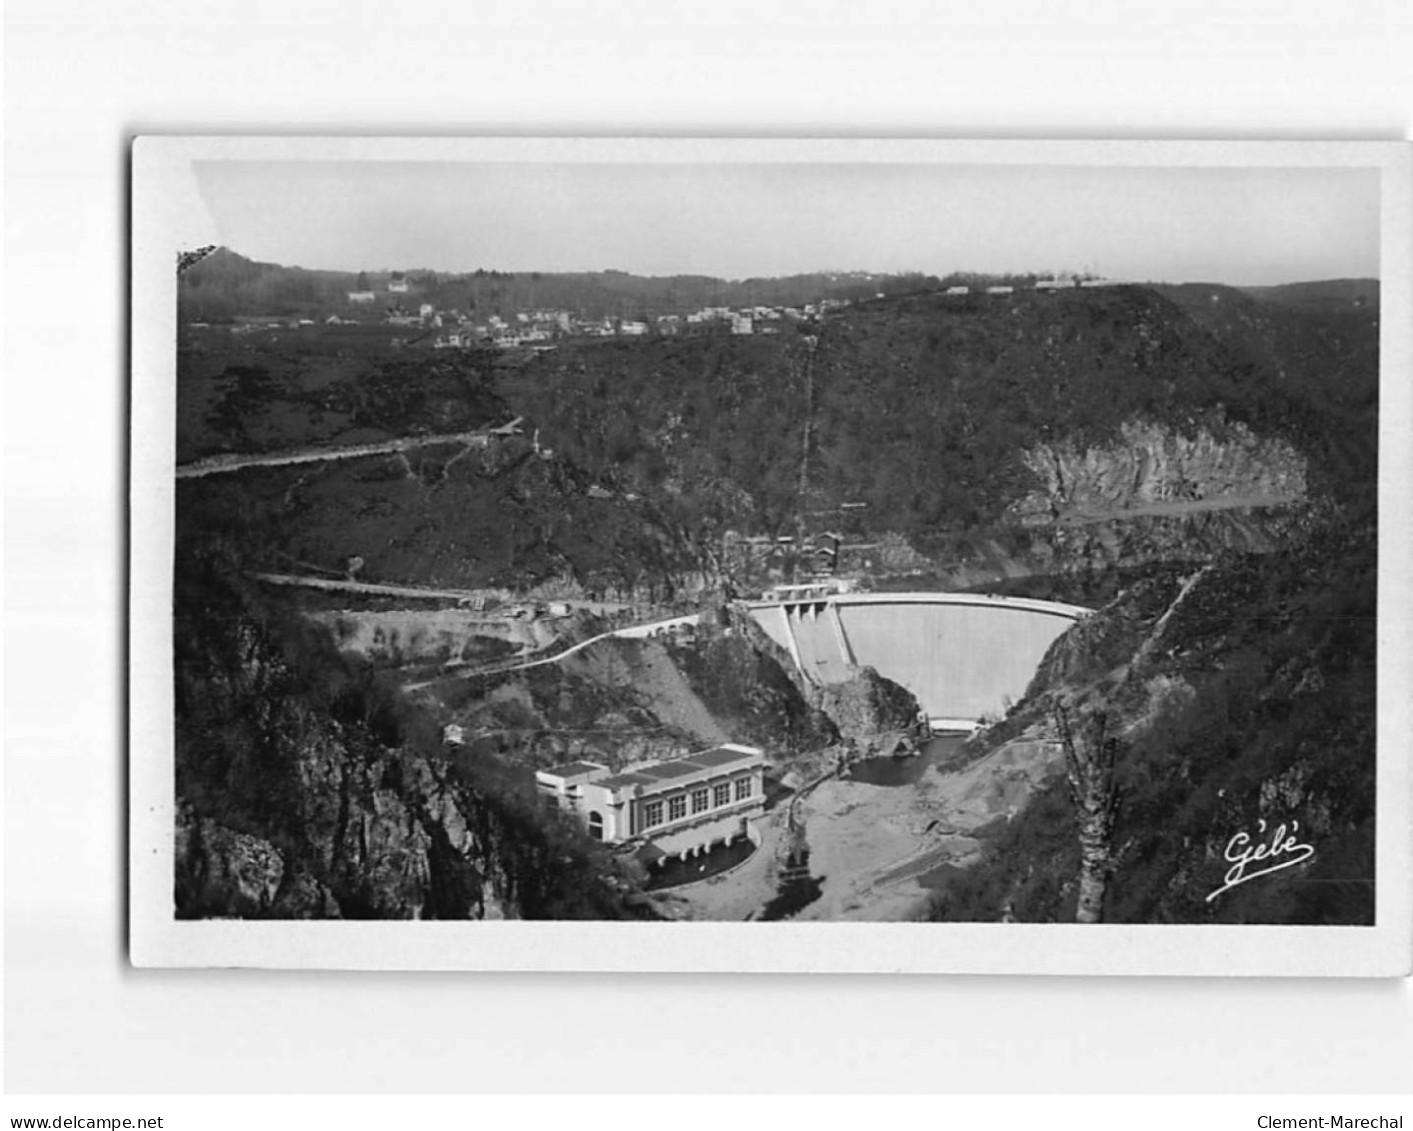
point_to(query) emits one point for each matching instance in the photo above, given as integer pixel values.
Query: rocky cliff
(306, 789)
(871, 714)
(1157, 468)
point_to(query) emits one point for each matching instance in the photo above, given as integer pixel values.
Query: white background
(81, 79)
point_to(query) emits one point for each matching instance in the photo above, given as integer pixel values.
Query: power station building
(685, 804)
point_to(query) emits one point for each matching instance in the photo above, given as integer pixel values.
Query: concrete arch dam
(962, 655)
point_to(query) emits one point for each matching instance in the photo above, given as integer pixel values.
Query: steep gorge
(1243, 695)
(308, 789)
(1108, 445)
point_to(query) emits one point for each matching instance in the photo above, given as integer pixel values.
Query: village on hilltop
(453, 328)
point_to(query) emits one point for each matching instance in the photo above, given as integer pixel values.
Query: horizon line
(902, 273)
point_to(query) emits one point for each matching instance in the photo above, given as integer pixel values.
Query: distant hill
(925, 411)
(1324, 294)
(227, 285)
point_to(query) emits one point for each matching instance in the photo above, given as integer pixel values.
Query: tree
(1089, 767)
(362, 281)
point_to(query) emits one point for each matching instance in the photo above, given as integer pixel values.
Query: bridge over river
(963, 655)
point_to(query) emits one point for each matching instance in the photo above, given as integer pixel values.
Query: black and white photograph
(768, 555)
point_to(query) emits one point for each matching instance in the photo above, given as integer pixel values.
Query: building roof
(618, 781)
(722, 756)
(573, 769)
(668, 770)
(662, 775)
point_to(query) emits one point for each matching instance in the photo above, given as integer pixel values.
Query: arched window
(596, 825)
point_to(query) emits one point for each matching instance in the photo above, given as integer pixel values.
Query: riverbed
(873, 848)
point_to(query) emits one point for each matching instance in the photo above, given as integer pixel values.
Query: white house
(397, 284)
(362, 297)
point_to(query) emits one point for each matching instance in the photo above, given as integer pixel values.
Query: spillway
(962, 655)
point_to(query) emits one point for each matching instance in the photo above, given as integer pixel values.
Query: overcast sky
(1241, 226)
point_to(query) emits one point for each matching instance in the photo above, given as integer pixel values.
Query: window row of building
(701, 800)
(655, 800)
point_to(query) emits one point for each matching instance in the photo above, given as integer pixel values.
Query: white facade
(666, 799)
(561, 785)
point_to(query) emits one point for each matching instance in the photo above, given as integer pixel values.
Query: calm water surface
(906, 771)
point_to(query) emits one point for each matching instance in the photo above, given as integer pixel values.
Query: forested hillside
(922, 407)
(1240, 693)
(937, 418)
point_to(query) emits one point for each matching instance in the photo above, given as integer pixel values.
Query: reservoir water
(906, 771)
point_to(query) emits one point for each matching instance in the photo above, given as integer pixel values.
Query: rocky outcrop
(407, 636)
(991, 557)
(1151, 465)
(300, 795)
(872, 714)
(372, 834)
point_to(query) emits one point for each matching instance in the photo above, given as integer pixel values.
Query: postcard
(771, 555)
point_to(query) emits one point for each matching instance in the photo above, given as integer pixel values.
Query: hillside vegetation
(928, 411)
(309, 787)
(922, 407)
(1250, 697)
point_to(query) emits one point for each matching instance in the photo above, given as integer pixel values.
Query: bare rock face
(872, 712)
(868, 712)
(287, 811)
(239, 873)
(1151, 465)
(369, 841)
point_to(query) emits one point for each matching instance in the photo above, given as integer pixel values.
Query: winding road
(222, 464)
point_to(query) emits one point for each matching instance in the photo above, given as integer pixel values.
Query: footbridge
(963, 655)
